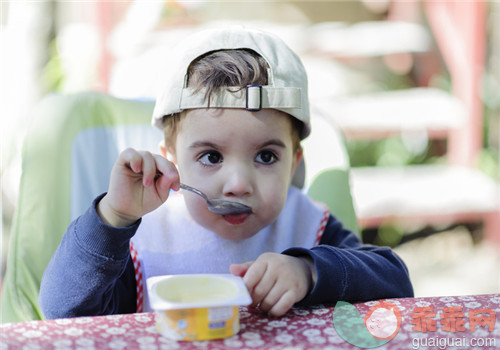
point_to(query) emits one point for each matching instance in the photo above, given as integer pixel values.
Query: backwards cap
(287, 79)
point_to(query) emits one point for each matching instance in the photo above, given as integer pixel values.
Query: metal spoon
(220, 206)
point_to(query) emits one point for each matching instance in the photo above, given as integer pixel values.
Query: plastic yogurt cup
(198, 306)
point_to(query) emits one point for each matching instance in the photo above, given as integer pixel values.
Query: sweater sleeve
(350, 271)
(91, 272)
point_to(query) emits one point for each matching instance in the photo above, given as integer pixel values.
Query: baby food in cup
(197, 306)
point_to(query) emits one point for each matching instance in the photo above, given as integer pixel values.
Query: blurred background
(414, 87)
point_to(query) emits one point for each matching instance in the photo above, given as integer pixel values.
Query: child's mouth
(235, 219)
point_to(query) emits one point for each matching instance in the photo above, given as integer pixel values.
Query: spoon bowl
(220, 206)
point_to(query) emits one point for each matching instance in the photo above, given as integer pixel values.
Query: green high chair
(67, 157)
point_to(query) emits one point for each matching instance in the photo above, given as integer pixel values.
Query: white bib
(168, 241)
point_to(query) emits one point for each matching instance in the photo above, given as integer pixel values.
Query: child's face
(236, 155)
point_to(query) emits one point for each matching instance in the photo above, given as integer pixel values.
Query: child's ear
(297, 158)
(298, 170)
(166, 153)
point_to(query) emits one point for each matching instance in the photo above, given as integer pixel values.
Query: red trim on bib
(138, 278)
(322, 226)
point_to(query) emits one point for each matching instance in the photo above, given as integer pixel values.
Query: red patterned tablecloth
(310, 328)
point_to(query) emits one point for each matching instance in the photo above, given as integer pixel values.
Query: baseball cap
(287, 79)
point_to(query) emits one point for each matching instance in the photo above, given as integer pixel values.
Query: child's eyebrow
(203, 144)
(208, 144)
(273, 142)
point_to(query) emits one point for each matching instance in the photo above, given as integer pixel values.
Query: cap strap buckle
(253, 97)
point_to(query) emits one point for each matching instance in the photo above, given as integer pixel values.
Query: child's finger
(166, 175)
(254, 274)
(148, 168)
(240, 269)
(131, 159)
(260, 292)
(272, 296)
(258, 279)
(281, 307)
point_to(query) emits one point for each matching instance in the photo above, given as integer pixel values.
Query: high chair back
(68, 154)
(327, 168)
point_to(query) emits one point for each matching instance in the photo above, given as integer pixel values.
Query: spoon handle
(194, 190)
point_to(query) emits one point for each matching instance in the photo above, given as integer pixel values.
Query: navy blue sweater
(92, 273)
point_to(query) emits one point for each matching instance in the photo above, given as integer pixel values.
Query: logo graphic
(381, 323)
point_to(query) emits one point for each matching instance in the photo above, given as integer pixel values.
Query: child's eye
(266, 157)
(210, 158)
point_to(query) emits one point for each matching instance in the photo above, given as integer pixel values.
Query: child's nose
(238, 182)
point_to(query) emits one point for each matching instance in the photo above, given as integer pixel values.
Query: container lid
(173, 292)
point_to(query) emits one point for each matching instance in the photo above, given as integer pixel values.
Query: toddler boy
(234, 110)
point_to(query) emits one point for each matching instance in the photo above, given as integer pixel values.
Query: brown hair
(221, 69)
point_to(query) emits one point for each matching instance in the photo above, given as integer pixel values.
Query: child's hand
(277, 281)
(140, 182)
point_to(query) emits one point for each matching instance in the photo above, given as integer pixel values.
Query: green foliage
(392, 151)
(52, 77)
